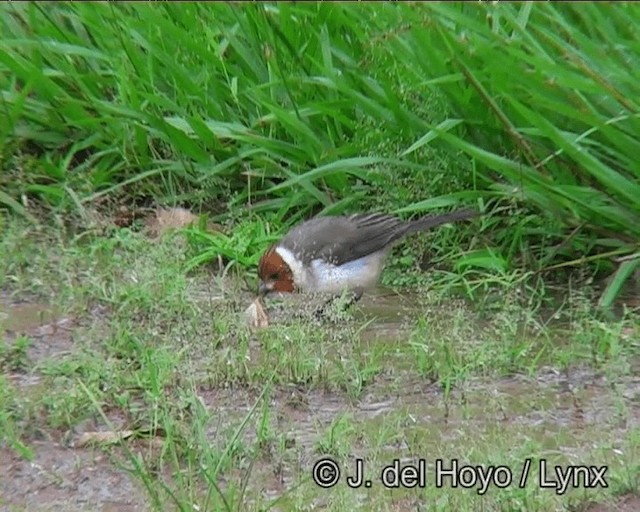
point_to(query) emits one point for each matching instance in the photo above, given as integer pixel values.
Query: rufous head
(275, 275)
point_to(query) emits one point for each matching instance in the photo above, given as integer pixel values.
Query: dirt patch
(64, 479)
(564, 412)
(576, 401)
(58, 478)
(627, 503)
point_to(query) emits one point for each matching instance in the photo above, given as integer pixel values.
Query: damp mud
(50, 475)
(572, 416)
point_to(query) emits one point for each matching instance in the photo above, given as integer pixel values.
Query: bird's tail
(432, 221)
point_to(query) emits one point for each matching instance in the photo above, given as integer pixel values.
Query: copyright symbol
(326, 473)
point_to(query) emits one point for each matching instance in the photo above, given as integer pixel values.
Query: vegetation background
(258, 116)
(266, 115)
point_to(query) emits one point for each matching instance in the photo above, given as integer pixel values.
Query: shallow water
(25, 316)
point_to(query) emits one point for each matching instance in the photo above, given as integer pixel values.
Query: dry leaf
(108, 437)
(256, 315)
(167, 219)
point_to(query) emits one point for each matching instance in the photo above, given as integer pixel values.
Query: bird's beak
(264, 288)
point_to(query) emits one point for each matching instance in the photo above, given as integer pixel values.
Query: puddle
(388, 307)
(25, 316)
(49, 334)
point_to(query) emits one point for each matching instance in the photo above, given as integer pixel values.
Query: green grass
(284, 110)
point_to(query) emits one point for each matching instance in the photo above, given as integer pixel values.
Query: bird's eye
(274, 276)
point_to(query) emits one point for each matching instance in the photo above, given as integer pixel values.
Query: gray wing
(342, 239)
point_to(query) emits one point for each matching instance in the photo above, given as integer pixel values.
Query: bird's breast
(361, 273)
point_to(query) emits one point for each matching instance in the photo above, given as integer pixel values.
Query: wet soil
(627, 503)
(562, 410)
(58, 477)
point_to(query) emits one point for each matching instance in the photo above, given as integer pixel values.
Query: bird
(334, 254)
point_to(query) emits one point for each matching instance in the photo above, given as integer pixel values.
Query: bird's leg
(356, 295)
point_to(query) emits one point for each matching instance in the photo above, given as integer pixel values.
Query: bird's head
(275, 275)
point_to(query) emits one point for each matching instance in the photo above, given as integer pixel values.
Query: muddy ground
(561, 410)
